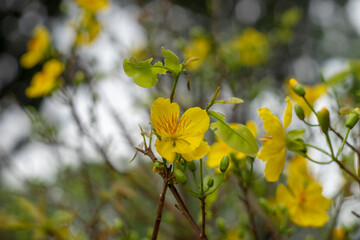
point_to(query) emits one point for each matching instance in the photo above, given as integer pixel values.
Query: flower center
(265, 138)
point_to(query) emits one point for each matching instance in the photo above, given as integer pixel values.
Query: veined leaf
(143, 73)
(232, 100)
(171, 61)
(240, 139)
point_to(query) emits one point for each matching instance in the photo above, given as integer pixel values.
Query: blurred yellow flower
(339, 233)
(311, 95)
(303, 199)
(184, 136)
(274, 143)
(45, 81)
(220, 148)
(197, 48)
(253, 47)
(36, 47)
(88, 30)
(93, 5)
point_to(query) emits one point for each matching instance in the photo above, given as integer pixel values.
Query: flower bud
(210, 182)
(224, 164)
(297, 87)
(180, 176)
(324, 119)
(192, 166)
(159, 166)
(351, 120)
(299, 111)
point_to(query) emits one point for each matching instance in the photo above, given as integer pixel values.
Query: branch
(356, 178)
(203, 219)
(347, 143)
(160, 209)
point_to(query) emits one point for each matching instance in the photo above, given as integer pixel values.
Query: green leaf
(143, 73)
(232, 100)
(240, 139)
(171, 61)
(294, 141)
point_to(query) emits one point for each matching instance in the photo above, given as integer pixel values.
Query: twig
(160, 209)
(250, 213)
(203, 219)
(148, 152)
(356, 178)
(347, 143)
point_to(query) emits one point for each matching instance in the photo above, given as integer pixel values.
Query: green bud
(351, 120)
(180, 176)
(178, 165)
(192, 166)
(297, 87)
(299, 111)
(224, 164)
(210, 182)
(159, 166)
(324, 119)
(294, 141)
(79, 77)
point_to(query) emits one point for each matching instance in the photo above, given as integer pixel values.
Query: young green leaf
(240, 139)
(232, 100)
(143, 73)
(171, 61)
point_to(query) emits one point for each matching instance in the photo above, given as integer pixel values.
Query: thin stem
(330, 145)
(250, 213)
(176, 78)
(311, 107)
(318, 148)
(203, 219)
(314, 161)
(310, 124)
(343, 142)
(356, 178)
(347, 143)
(201, 178)
(196, 181)
(159, 210)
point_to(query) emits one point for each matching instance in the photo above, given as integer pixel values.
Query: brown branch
(185, 212)
(356, 178)
(250, 212)
(184, 209)
(347, 143)
(159, 210)
(203, 219)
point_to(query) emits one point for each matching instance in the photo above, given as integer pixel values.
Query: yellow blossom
(339, 233)
(36, 48)
(303, 199)
(274, 143)
(220, 148)
(184, 136)
(197, 48)
(253, 47)
(45, 81)
(88, 30)
(311, 95)
(93, 5)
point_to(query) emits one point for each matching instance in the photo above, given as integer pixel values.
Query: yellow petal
(53, 68)
(271, 148)
(272, 123)
(252, 127)
(287, 113)
(164, 116)
(275, 165)
(194, 123)
(165, 149)
(284, 196)
(197, 153)
(217, 152)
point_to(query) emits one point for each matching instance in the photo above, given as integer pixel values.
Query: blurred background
(65, 169)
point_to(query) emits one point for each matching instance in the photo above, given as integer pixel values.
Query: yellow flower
(197, 48)
(184, 136)
(311, 95)
(36, 48)
(253, 46)
(220, 148)
(274, 143)
(88, 30)
(303, 199)
(339, 233)
(93, 5)
(45, 81)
